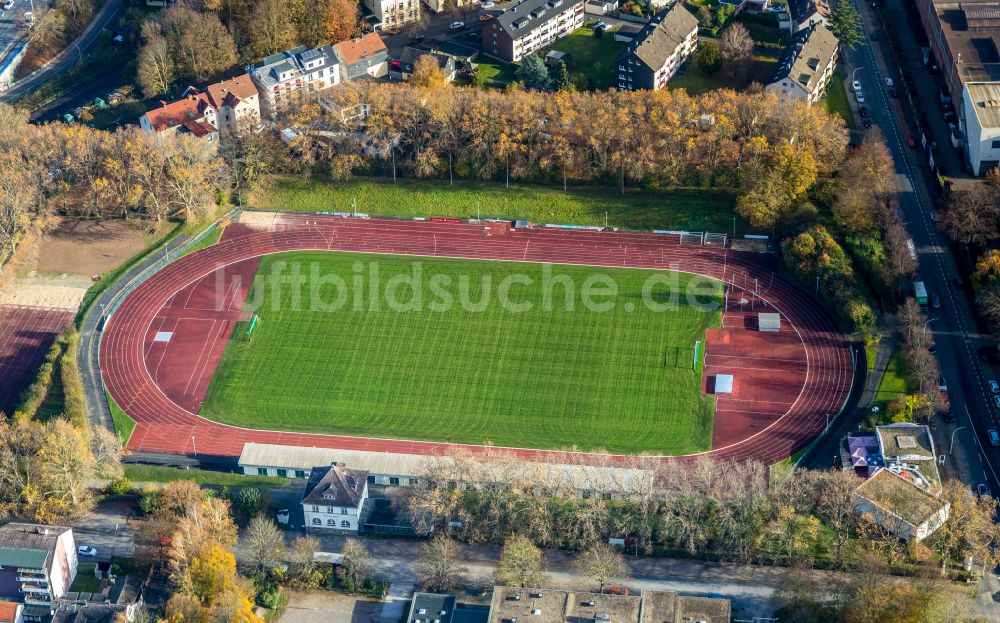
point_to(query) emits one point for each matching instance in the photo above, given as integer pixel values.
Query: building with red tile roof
(204, 113)
(10, 612)
(363, 56)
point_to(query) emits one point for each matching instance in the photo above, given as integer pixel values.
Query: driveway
(106, 528)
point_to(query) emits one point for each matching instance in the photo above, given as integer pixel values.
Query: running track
(163, 426)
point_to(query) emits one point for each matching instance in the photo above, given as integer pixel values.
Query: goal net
(692, 238)
(243, 329)
(715, 240)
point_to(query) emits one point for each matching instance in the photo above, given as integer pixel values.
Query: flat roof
(969, 29)
(984, 97)
(769, 321)
(531, 605)
(431, 608)
(723, 383)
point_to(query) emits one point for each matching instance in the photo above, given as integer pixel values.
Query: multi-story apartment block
(529, 26)
(391, 14)
(651, 59)
(806, 66)
(285, 78)
(37, 563)
(334, 498)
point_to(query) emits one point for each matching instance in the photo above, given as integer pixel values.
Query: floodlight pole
(194, 447)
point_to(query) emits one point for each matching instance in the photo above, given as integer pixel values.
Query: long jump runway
(788, 384)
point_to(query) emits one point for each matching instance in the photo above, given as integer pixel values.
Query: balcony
(34, 588)
(37, 579)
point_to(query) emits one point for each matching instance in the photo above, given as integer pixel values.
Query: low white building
(981, 125)
(334, 498)
(806, 66)
(406, 470)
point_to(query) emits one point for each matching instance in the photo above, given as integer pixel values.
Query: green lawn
(593, 64)
(693, 209)
(696, 81)
(158, 473)
(124, 425)
(495, 71)
(209, 239)
(836, 99)
(85, 582)
(550, 376)
(894, 385)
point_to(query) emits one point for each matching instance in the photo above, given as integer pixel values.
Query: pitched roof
(8, 611)
(659, 39)
(191, 107)
(411, 55)
(984, 98)
(894, 494)
(527, 15)
(806, 56)
(231, 92)
(355, 50)
(335, 485)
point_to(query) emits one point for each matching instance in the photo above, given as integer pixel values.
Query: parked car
(776, 8)
(485, 17)
(282, 516)
(867, 123)
(888, 82)
(489, 4)
(858, 95)
(893, 92)
(935, 301)
(86, 550)
(994, 436)
(457, 25)
(602, 25)
(996, 400)
(856, 85)
(958, 282)
(863, 111)
(994, 386)
(8, 5)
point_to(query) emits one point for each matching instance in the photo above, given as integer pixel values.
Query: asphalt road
(69, 56)
(954, 329)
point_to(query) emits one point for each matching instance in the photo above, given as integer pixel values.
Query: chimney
(163, 103)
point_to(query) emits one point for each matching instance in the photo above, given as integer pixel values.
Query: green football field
(543, 375)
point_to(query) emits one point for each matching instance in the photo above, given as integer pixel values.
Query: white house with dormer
(334, 499)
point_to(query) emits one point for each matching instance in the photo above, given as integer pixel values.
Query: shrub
(121, 486)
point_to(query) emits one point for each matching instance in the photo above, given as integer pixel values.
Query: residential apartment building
(206, 113)
(806, 66)
(651, 59)
(365, 56)
(807, 13)
(334, 498)
(193, 114)
(37, 563)
(236, 100)
(981, 125)
(391, 14)
(285, 78)
(529, 26)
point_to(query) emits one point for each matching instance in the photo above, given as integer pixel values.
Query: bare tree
(356, 564)
(602, 563)
(736, 47)
(438, 564)
(265, 542)
(972, 216)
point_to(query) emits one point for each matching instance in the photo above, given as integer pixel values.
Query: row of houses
(268, 87)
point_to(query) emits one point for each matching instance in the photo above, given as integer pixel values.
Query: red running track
(164, 426)
(26, 333)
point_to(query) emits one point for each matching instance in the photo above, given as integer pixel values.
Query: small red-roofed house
(10, 612)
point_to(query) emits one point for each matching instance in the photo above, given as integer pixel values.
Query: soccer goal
(715, 240)
(693, 238)
(243, 329)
